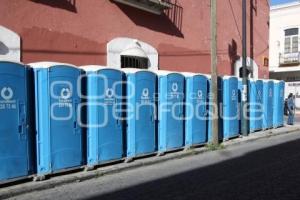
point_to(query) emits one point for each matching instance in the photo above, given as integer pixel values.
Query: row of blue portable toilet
(56, 132)
(140, 91)
(64, 93)
(266, 104)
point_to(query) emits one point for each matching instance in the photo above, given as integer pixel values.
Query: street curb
(261, 135)
(114, 169)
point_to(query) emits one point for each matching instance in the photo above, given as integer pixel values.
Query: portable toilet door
(278, 104)
(16, 135)
(105, 130)
(170, 111)
(141, 112)
(275, 103)
(195, 109)
(240, 91)
(59, 136)
(252, 105)
(230, 107)
(268, 104)
(259, 107)
(281, 104)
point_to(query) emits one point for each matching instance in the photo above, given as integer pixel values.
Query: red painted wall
(77, 31)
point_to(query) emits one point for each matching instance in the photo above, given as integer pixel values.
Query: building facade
(284, 46)
(153, 34)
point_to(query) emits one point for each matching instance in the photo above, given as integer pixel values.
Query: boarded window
(134, 62)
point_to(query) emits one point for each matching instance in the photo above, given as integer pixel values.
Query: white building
(284, 46)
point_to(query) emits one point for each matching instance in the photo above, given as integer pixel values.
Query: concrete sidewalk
(117, 168)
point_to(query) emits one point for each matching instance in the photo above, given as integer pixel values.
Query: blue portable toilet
(229, 107)
(170, 111)
(195, 109)
(268, 94)
(59, 136)
(281, 102)
(259, 105)
(16, 125)
(141, 112)
(210, 109)
(255, 105)
(105, 131)
(252, 100)
(255, 100)
(278, 104)
(240, 91)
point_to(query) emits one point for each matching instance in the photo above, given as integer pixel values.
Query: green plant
(214, 147)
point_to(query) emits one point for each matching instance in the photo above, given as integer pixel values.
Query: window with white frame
(131, 53)
(291, 41)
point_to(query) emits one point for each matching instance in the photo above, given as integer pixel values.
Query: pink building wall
(77, 31)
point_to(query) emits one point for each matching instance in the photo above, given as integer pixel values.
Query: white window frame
(118, 45)
(291, 40)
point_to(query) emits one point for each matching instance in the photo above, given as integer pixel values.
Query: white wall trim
(118, 45)
(10, 45)
(250, 63)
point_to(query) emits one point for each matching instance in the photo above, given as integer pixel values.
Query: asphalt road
(265, 169)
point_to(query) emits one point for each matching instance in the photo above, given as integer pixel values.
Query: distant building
(284, 46)
(151, 34)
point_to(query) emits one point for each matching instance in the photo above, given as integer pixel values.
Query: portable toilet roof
(134, 70)
(49, 64)
(227, 77)
(192, 74)
(189, 74)
(207, 75)
(11, 61)
(165, 72)
(94, 68)
(266, 80)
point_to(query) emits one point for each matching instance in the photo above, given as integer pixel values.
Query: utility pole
(214, 74)
(244, 115)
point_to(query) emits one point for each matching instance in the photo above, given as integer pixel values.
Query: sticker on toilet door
(7, 100)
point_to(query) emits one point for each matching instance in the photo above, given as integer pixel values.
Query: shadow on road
(271, 173)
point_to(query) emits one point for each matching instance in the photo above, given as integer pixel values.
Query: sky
(276, 2)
